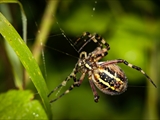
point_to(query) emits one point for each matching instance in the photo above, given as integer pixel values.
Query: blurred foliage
(132, 30)
(23, 107)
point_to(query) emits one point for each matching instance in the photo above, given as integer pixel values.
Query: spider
(106, 76)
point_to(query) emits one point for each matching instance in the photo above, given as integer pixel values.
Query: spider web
(66, 40)
(62, 34)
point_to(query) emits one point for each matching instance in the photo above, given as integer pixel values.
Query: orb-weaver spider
(106, 76)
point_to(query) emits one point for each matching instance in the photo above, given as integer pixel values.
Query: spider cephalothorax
(106, 76)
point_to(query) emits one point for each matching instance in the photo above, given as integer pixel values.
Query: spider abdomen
(110, 79)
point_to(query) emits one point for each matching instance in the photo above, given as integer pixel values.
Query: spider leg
(77, 83)
(95, 38)
(101, 50)
(67, 91)
(95, 94)
(72, 75)
(101, 41)
(99, 53)
(131, 66)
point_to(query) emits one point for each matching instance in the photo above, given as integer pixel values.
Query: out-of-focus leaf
(18, 104)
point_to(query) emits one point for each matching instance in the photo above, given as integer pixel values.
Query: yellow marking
(94, 39)
(130, 65)
(88, 66)
(64, 83)
(142, 72)
(103, 41)
(83, 53)
(104, 49)
(79, 64)
(89, 35)
(72, 74)
(67, 91)
(110, 75)
(90, 78)
(93, 54)
(102, 81)
(113, 88)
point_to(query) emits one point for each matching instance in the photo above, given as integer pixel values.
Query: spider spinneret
(106, 76)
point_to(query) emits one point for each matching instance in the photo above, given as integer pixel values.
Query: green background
(130, 27)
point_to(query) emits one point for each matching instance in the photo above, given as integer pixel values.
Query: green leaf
(18, 104)
(27, 59)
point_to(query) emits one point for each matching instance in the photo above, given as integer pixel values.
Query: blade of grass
(27, 59)
(24, 18)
